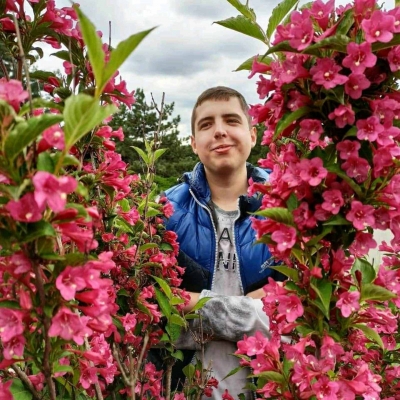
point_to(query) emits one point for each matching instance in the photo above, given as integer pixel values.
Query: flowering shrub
(332, 124)
(88, 275)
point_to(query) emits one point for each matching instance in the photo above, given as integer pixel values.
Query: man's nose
(220, 130)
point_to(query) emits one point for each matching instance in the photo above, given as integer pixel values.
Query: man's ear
(193, 144)
(253, 133)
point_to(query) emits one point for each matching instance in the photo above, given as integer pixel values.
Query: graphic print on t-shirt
(226, 248)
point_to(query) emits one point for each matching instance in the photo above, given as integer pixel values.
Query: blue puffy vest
(193, 223)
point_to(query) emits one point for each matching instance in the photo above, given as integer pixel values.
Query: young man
(213, 224)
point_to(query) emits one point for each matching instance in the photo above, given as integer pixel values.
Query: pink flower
(312, 171)
(326, 73)
(14, 347)
(359, 57)
(70, 281)
(264, 87)
(343, 115)
(285, 237)
(321, 11)
(52, 137)
(325, 388)
(68, 326)
(310, 129)
(394, 58)
(357, 168)
(291, 307)
(362, 216)
(258, 68)
(348, 148)
(52, 190)
(379, 28)
(355, 85)
(368, 129)
(25, 209)
(362, 244)
(5, 391)
(12, 92)
(333, 200)
(330, 348)
(301, 30)
(20, 263)
(292, 69)
(10, 324)
(348, 303)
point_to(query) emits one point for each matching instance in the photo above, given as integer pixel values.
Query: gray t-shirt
(226, 281)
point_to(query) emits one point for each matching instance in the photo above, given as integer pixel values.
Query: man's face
(222, 136)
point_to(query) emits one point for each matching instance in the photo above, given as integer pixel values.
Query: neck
(225, 190)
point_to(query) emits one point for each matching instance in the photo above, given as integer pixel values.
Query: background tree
(140, 123)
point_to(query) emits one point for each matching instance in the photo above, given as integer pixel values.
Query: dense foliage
(88, 275)
(331, 119)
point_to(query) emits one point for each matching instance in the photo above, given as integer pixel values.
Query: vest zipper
(215, 235)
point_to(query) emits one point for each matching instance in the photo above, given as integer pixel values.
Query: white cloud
(186, 54)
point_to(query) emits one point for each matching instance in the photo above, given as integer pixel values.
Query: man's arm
(225, 318)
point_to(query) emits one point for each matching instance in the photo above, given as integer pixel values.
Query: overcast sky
(187, 53)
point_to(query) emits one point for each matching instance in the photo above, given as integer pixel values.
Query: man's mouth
(222, 148)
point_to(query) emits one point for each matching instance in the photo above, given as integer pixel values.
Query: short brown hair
(220, 93)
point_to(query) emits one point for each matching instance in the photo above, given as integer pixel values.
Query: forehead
(215, 108)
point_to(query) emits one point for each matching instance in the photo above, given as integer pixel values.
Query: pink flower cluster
(331, 116)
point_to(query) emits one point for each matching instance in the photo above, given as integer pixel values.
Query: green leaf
(323, 288)
(277, 214)
(368, 272)
(9, 304)
(176, 300)
(280, 47)
(26, 132)
(178, 320)
(233, 372)
(243, 25)
(245, 10)
(147, 246)
(369, 291)
(270, 376)
(247, 65)
(45, 162)
(19, 392)
(338, 43)
(37, 230)
(62, 368)
(380, 46)
(173, 330)
(337, 220)
(94, 45)
(81, 114)
(189, 371)
(164, 286)
(287, 271)
(63, 55)
(278, 14)
(40, 103)
(163, 303)
(42, 75)
(345, 23)
(292, 202)
(158, 153)
(200, 303)
(178, 355)
(325, 231)
(288, 119)
(142, 154)
(370, 333)
(119, 55)
(351, 132)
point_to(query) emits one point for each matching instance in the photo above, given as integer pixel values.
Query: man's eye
(233, 121)
(205, 125)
